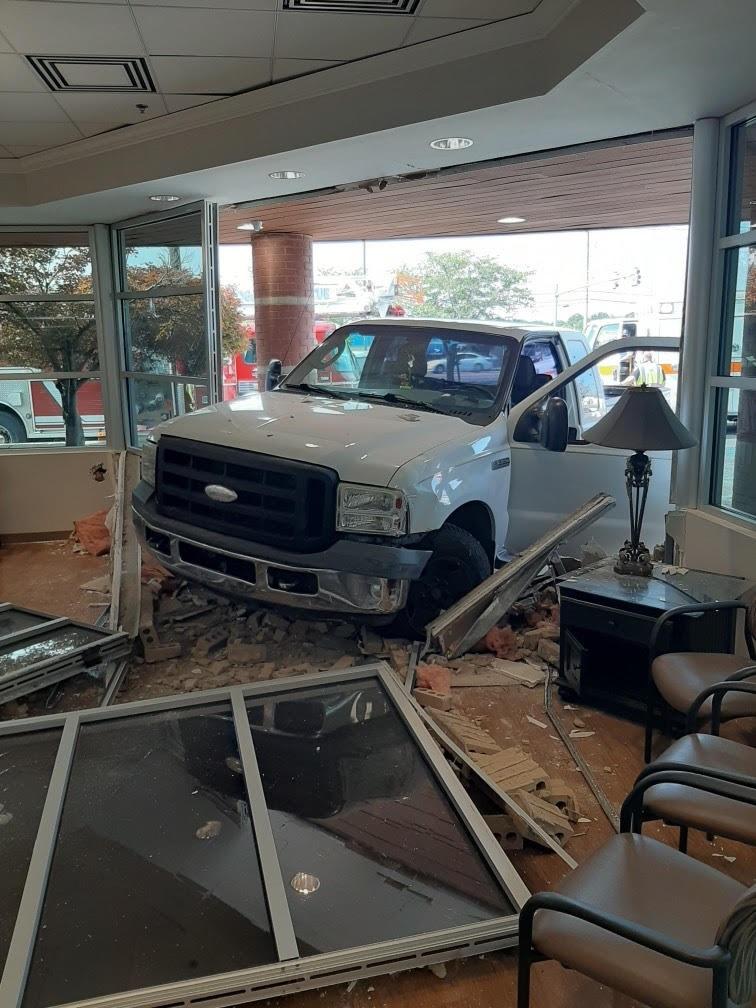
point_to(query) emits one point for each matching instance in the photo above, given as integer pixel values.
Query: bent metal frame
(292, 972)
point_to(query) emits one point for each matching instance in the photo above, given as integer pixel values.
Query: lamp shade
(641, 421)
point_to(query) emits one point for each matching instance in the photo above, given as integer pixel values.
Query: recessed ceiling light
(165, 199)
(254, 225)
(451, 143)
(286, 174)
(511, 220)
(305, 884)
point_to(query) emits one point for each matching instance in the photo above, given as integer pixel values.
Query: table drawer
(606, 620)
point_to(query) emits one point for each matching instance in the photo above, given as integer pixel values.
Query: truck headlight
(149, 458)
(371, 509)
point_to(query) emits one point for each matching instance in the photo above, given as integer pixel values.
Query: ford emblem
(222, 494)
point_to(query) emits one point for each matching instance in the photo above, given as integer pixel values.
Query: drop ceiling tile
(491, 10)
(311, 35)
(208, 74)
(426, 28)
(31, 108)
(72, 29)
(177, 103)
(254, 5)
(5, 46)
(37, 134)
(21, 150)
(95, 128)
(192, 32)
(5, 153)
(283, 68)
(17, 75)
(110, 108)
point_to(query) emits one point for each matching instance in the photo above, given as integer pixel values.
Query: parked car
(463, 361)
(394, 492)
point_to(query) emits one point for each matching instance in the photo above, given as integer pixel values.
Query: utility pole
(587, 277)
(556, 305)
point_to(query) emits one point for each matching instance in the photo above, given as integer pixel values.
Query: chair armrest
(698, 607)
(641, 935)
(734, 684)
(632, 806)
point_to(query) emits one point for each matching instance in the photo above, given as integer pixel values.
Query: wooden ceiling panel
(627, 183)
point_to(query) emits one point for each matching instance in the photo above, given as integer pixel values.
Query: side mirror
(554, 425)
(273, 374)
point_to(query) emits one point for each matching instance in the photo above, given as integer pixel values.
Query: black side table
(606, 623)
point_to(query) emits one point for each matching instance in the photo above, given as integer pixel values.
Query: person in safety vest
(646, 372)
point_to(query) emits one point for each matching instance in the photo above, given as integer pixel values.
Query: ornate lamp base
(634, 560)
(634, 557)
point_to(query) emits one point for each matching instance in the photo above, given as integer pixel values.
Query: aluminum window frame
(22, 374)
(207, 288)
(726, 245)
(292, 972)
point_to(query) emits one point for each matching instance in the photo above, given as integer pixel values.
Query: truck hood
(363, 442)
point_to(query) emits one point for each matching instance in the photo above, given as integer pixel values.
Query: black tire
(457, 565)
(11, 429)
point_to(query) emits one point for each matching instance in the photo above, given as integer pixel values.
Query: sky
(562, 264)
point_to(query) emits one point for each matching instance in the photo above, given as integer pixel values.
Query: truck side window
(544, 357)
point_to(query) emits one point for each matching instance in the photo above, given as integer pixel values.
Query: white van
(373, 483)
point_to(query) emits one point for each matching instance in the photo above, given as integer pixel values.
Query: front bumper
(348, 577)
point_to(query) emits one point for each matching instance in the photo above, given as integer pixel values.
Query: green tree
(463, 285)
(52, 335)
(575, 321)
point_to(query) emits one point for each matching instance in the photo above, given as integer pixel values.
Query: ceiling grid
(196, 50)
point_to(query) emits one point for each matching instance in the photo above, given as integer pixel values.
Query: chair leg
(523, 978)
(683, 845)
(649, 730)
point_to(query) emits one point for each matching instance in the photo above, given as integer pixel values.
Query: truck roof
(518, 332)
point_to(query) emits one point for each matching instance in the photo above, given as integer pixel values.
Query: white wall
(44, 492)
(713, 542)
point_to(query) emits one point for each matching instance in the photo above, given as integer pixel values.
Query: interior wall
(713, 542)
(44, 492)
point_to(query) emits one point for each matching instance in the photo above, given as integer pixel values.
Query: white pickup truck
(390, 470)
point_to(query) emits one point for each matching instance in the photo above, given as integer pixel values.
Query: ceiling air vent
(93, 73)
(355, 6)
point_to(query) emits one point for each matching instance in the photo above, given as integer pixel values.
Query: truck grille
(280, 503)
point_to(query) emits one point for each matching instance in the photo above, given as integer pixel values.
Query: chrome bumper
(359, 594)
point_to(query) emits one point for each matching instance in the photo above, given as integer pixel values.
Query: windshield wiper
(400, 400)
(311, 389)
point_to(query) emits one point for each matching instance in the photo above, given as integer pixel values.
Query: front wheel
(11, 429)
(458, 563)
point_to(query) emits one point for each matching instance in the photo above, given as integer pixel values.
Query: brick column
(284, 298)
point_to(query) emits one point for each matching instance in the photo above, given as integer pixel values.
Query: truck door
(546, 486)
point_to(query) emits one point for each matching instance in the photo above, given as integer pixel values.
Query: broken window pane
(46, 644)
(15, 620)
(26, 762)
(155, 876)
(370, 847)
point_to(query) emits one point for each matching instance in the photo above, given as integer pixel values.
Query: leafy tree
(50, 336)
(463, 285)
(166, 333)
(597, 316)
(575, 321)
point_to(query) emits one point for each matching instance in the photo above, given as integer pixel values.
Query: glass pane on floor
(370, 847)
(15, 620)
(26, 762)
(155, 876)
(47, 644)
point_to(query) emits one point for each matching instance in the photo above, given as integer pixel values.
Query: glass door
(167, 296)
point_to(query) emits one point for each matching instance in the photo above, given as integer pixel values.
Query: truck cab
(388, 472)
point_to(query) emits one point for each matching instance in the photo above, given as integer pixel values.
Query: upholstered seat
(678, 805)
(681, 676)
(707, 754)
(646, 883)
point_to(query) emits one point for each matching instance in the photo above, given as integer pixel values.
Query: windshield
(431, 368)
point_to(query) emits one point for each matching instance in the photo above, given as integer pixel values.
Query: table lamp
(642, 421)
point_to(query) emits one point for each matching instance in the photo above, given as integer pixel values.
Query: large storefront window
(168, 316)
(734, 385)
(50, 391)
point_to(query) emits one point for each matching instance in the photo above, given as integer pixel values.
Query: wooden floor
(47, 577)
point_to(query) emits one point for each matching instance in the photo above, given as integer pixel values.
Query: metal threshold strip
(233, 845)
(38, 650)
